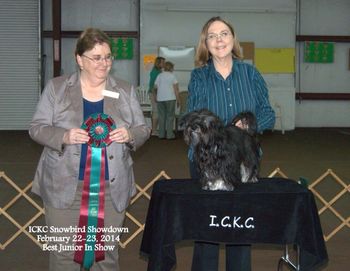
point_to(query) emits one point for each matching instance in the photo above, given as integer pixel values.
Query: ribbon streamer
(92, 204)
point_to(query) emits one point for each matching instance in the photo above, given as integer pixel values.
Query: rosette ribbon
(91, 217)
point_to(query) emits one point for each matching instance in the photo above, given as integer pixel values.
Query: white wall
(268, 23)
(321, 17)
(108, 15)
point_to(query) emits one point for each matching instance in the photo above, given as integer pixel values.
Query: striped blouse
(243, 90)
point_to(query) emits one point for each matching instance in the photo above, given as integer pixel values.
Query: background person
(167, 88)
(157, 69)
(226, 86)
(62, 172)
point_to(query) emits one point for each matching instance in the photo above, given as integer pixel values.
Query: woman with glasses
(88, 123)
(224, 84)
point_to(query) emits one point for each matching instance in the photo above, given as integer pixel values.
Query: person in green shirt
(157, 69)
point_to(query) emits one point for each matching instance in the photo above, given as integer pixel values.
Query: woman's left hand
(120, 135)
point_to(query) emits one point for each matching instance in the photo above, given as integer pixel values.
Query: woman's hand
(239, 124)
(120, 135)
(75, 136)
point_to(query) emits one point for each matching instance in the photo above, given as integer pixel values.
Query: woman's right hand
(75, 136)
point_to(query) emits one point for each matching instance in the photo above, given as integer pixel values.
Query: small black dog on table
(225, 155)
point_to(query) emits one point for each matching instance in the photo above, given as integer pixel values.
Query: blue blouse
(90, 108)
(243, 90)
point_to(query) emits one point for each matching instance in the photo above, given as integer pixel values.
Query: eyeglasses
(222, 35)
(98, 60)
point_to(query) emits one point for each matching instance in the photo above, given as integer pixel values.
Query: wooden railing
(142, 192)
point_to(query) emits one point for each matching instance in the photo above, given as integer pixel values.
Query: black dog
(225, 156)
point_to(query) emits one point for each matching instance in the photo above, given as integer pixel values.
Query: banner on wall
(318, 52)
(122, 48)
(275, 60)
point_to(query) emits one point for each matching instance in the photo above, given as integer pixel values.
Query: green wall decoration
(122, 48)
(318, 52)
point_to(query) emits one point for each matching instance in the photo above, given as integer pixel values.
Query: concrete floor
(306, 153)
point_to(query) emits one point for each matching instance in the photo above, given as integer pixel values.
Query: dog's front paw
(254, 180)
(228, 187)
(205, 187)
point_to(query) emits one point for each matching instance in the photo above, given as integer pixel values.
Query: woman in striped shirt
(227, 86)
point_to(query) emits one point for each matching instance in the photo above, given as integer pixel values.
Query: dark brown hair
(157, 62)
(89, 38)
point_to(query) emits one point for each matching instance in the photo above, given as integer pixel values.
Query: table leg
(286, 260)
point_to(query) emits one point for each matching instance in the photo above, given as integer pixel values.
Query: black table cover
(272, 211)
